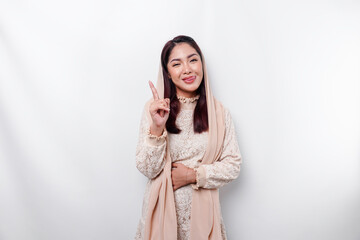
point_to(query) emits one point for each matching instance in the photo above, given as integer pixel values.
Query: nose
(187, 68)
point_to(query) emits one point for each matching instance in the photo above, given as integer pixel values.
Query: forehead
(182, 51)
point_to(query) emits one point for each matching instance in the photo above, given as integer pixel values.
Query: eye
(193, 60)
(176, 64)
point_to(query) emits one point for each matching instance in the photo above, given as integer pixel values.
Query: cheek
(174, 73)
(200, 70)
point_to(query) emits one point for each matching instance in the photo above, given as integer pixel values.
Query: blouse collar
(188, 100)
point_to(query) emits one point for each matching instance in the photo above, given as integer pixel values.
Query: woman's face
(185, 69)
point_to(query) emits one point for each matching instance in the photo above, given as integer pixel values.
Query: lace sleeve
(150, 150)
(227, 168)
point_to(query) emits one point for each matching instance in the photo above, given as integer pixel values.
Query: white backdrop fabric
(73, 82)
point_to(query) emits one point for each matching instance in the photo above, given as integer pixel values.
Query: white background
(73, 81)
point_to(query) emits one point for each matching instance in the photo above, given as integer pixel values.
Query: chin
(192, 88)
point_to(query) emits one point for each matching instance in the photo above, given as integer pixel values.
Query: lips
(189, 79)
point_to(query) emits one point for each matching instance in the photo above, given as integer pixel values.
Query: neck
(186, 94)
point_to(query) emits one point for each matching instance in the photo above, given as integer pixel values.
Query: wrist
(155, 130)
(191, 176)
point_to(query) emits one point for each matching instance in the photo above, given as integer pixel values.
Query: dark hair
(200, 111)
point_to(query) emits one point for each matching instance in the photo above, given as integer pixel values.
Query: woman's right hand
(159, 112)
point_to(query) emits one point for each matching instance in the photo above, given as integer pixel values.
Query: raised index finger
(153, 90)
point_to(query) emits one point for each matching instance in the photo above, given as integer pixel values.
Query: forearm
(218, 174)
(150, 151)
(150, 158)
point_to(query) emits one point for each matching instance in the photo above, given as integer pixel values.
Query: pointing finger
(153, 90)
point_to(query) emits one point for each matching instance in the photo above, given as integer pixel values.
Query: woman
(187, 148)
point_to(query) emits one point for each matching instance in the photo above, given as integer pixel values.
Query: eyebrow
(178, 59)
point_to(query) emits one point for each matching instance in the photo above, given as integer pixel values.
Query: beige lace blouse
(187, 148)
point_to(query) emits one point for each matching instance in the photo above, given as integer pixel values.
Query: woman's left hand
(182, 175)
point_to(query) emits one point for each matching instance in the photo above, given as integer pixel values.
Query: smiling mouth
(189, 79)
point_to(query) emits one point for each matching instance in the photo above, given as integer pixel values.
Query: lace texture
(187, 148)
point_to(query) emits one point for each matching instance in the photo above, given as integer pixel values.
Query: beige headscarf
(161, 223)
